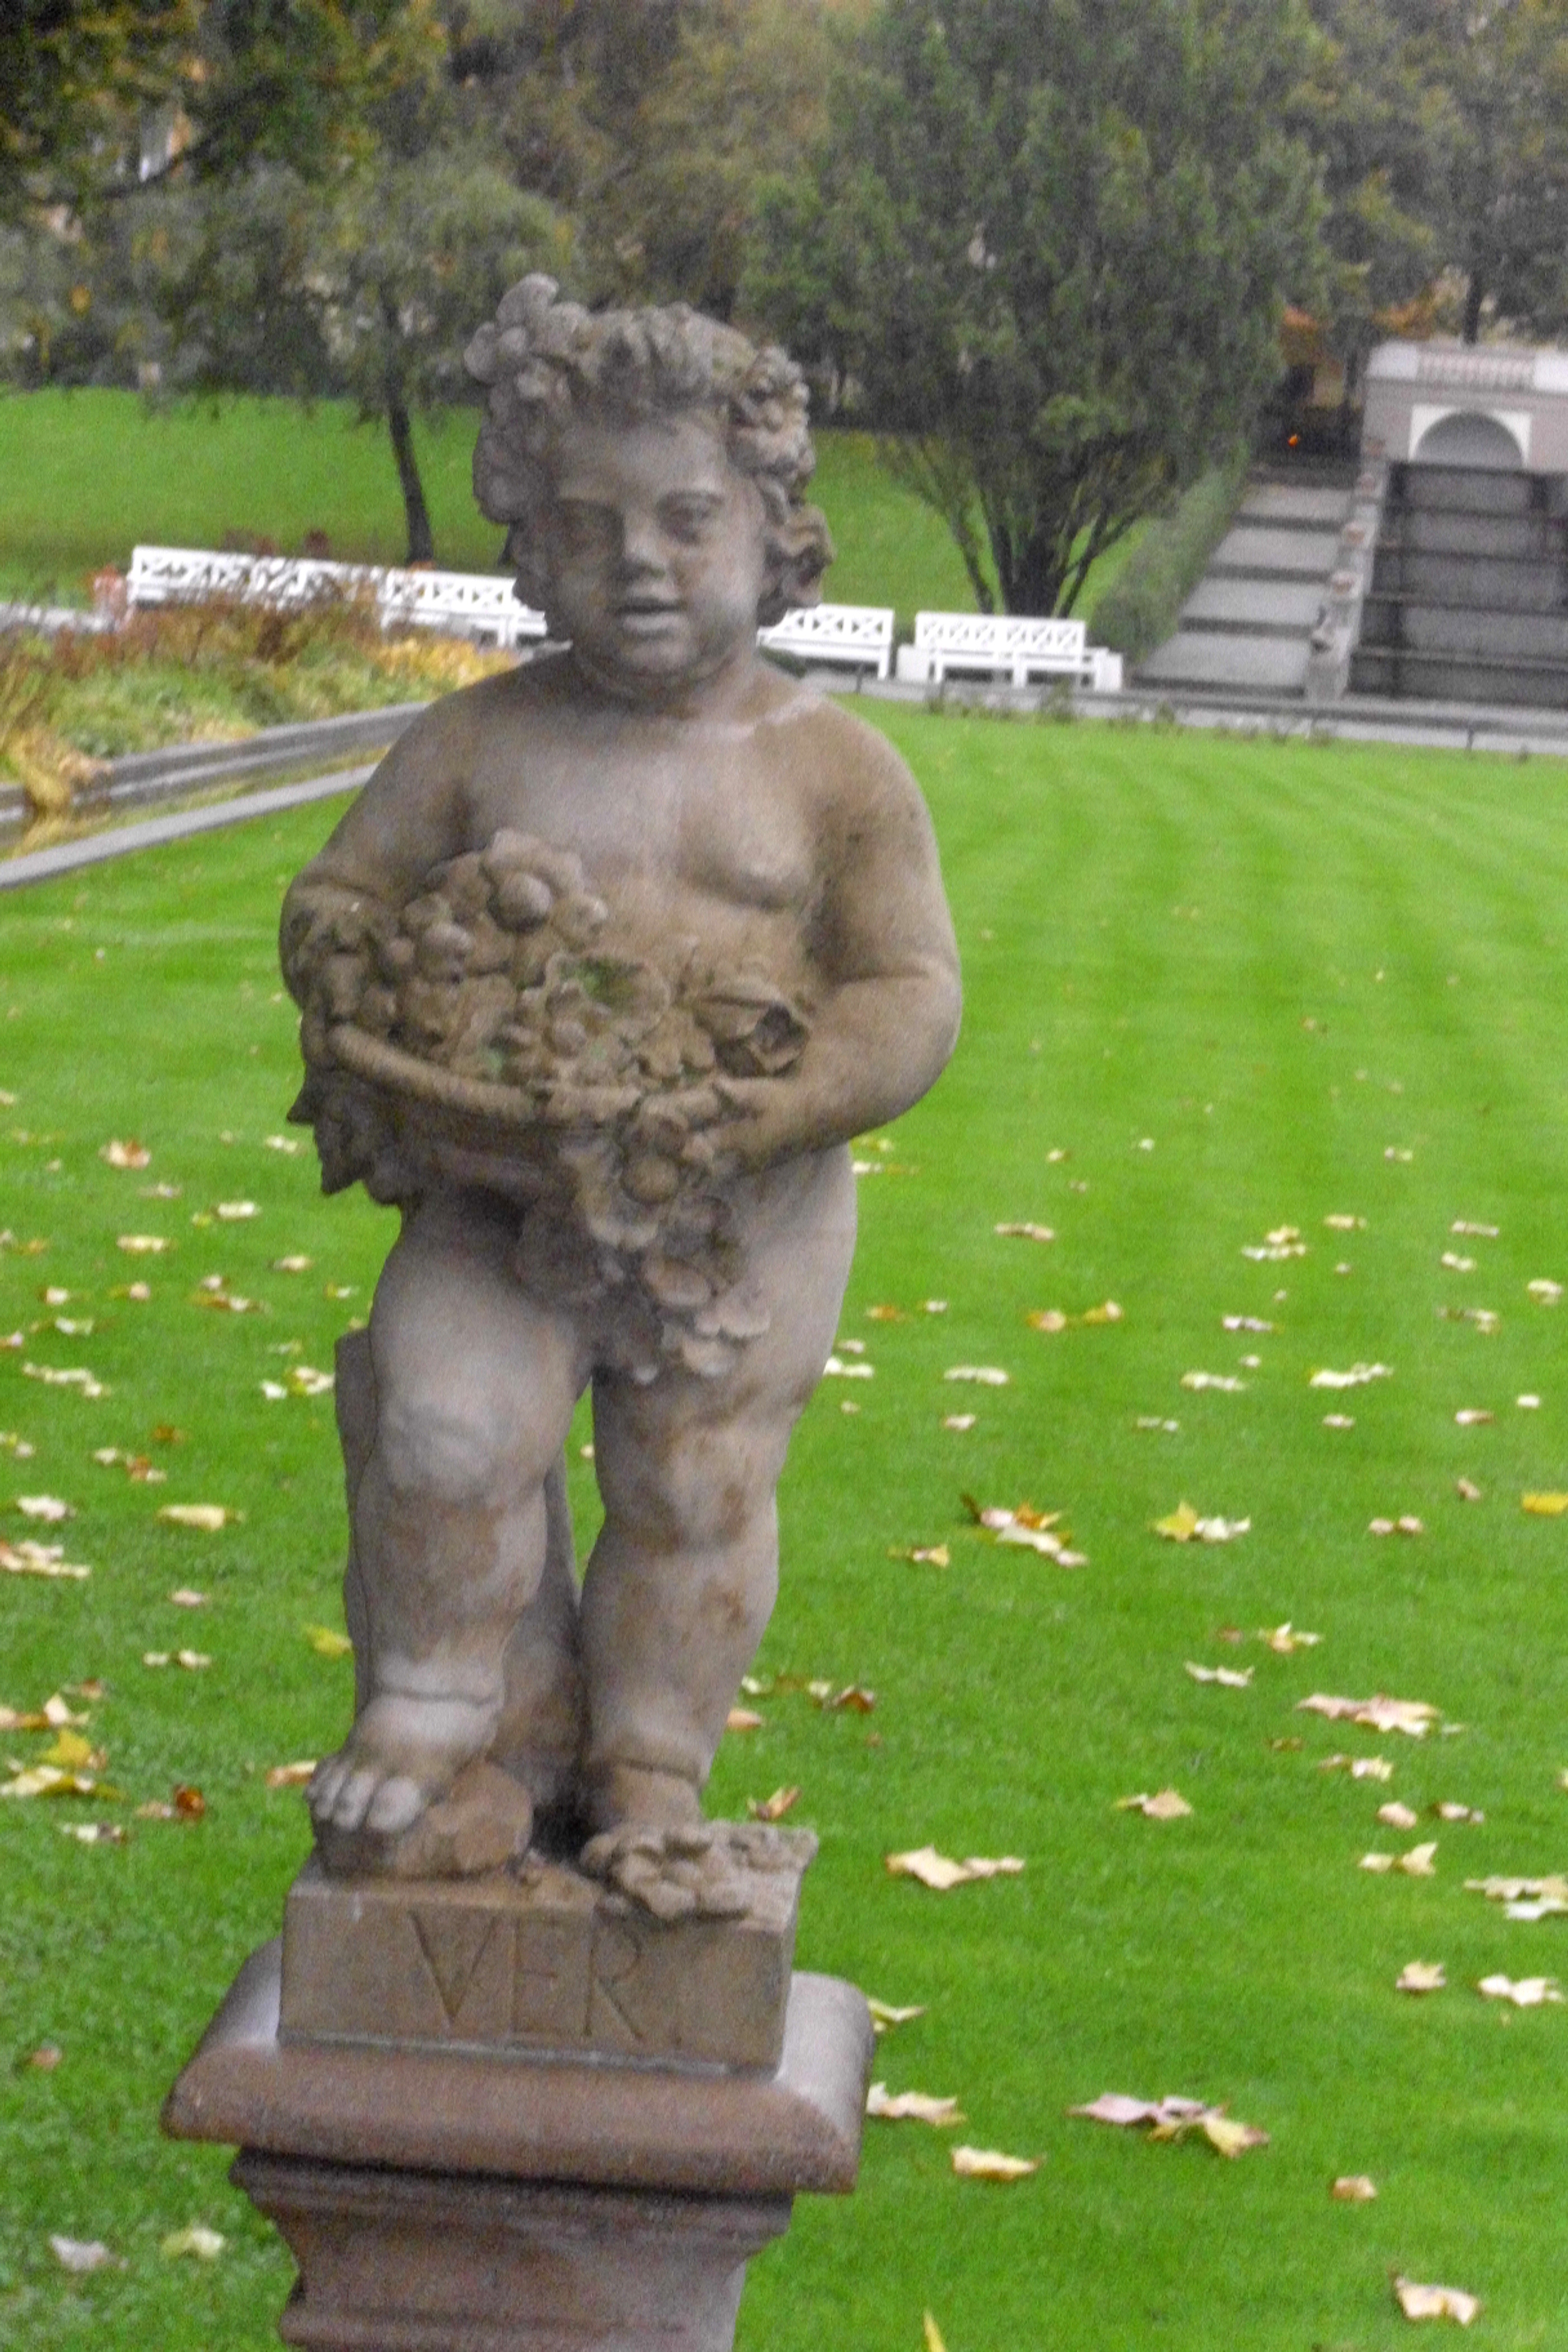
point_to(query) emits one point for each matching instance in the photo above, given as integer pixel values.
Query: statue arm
(886, 1020)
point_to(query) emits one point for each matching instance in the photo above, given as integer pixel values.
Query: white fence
(480, 605)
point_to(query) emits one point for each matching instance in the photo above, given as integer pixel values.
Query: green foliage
(1089, 313)
(1137, 611)
(1146, 922)
(74, 78)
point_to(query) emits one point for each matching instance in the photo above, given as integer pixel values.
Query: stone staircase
(1469, 601)
(1247, 627)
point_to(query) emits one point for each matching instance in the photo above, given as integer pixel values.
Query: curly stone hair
(546, 360)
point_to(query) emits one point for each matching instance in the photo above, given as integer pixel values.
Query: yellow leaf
(290, 1775)
(1230, 2136)
(204, 2244)
(327, 1643)
(1421, 1976)
(885, 2016)
(934, 2336)
(989, 2164)
(773, 1808)
(70, 1750)
(1544, 1507)
(1180, 1525)
(208, 1518)
(941, 1873)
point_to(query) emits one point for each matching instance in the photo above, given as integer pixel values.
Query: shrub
(1139, 610)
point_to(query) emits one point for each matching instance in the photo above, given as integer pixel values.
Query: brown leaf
(129, 1154)
(190, 1805)
(740, 1718)
(773, 1808)
(291, 1775)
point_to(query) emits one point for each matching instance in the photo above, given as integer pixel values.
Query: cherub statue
(599, 975)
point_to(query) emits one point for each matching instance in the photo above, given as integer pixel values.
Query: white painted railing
(1006, 644)
(848, 636)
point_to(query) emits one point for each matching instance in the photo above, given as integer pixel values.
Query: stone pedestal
(453, 2197)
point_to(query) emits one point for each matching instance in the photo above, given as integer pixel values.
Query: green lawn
(1220, 981)
(84, 475)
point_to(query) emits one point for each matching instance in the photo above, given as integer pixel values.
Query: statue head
(550, 365)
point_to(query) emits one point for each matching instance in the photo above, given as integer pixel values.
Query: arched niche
(1469, 436)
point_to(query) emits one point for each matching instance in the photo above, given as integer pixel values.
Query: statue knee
(429, 1447)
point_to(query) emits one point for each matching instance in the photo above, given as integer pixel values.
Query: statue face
(655, 552)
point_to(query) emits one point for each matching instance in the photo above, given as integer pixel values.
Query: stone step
(1467, 490)
(1295, 505)
(1198, 657)
(1409, 675)
(1464, 629)
(1267, 604)
(1271, 550)
(1531, 538)
(1486, 582)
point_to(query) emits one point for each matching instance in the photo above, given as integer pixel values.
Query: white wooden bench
(1006, 645)
(848, 636)
(460, 603)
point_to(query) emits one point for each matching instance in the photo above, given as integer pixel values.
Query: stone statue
(598, 976)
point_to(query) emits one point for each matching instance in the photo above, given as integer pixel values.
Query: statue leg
(683, 1577)
(473, 1385)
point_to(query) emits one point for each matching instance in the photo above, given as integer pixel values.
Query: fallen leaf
(207, 1518)
(941, 1873)
(1544, 1507)
(885, 2016)
(1544, 1293)
(1527, 1403)
(1155, 1421)
(1360, 1767)
(934, 2336)
(1413, 1716)
(1342, 1224)
(28, 1559)
(1354, 2189)
(190, 1805)
(911, 2107)
(989, 2164)
(1524, 1992)
(51, 1781)
(292, 1264)
(64, 1376)
(141, 1244)
(1287, 1639)
(1395, 1816)
(1456, 1263)
(923, 1554)
(835, 1368)
(329, 1644)
(1228, 1677)
(1339, 1420)
(1435, 2302)
(1225, 1380)
(44, 2059)
(206, 2245)
(235, 1213)
(44, 1506)
(958, 1421)
(290, 1775)
(83, 2254)
(129, 1154)
(1231, 2137)
(1165, 1805)
(1026, 1233)
(183, 1598)
(1244, 1323)
(773, 1808)
(1421, 1976)
(95, 1832)
(1447, 1811)
(1472, 1416)
(853, 1699)
(987, 1376)
(1466, 1490)
(1116, 2107)
(1358, 1376)
(1174, 2119)
(72, 1750)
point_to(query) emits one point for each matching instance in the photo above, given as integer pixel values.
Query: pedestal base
(408, 2261)
(465, 2200)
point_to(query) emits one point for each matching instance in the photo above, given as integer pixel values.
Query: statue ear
(800, 550)
(525, 556)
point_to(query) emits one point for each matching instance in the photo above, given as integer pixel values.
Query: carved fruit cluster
(497, 972)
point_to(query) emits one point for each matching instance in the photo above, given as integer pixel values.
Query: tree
(1051, 239)
(75, 75)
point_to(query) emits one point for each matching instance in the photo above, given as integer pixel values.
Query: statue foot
(484, 1823)
(677, 1874)
(401, 1755)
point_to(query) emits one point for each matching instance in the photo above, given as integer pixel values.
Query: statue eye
(691, 519)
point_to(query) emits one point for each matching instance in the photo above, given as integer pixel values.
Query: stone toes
(397, 1802)
(352, 1800)
(325, 1782)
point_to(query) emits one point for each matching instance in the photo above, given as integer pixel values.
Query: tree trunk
(421, 538)
(1475, 295)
